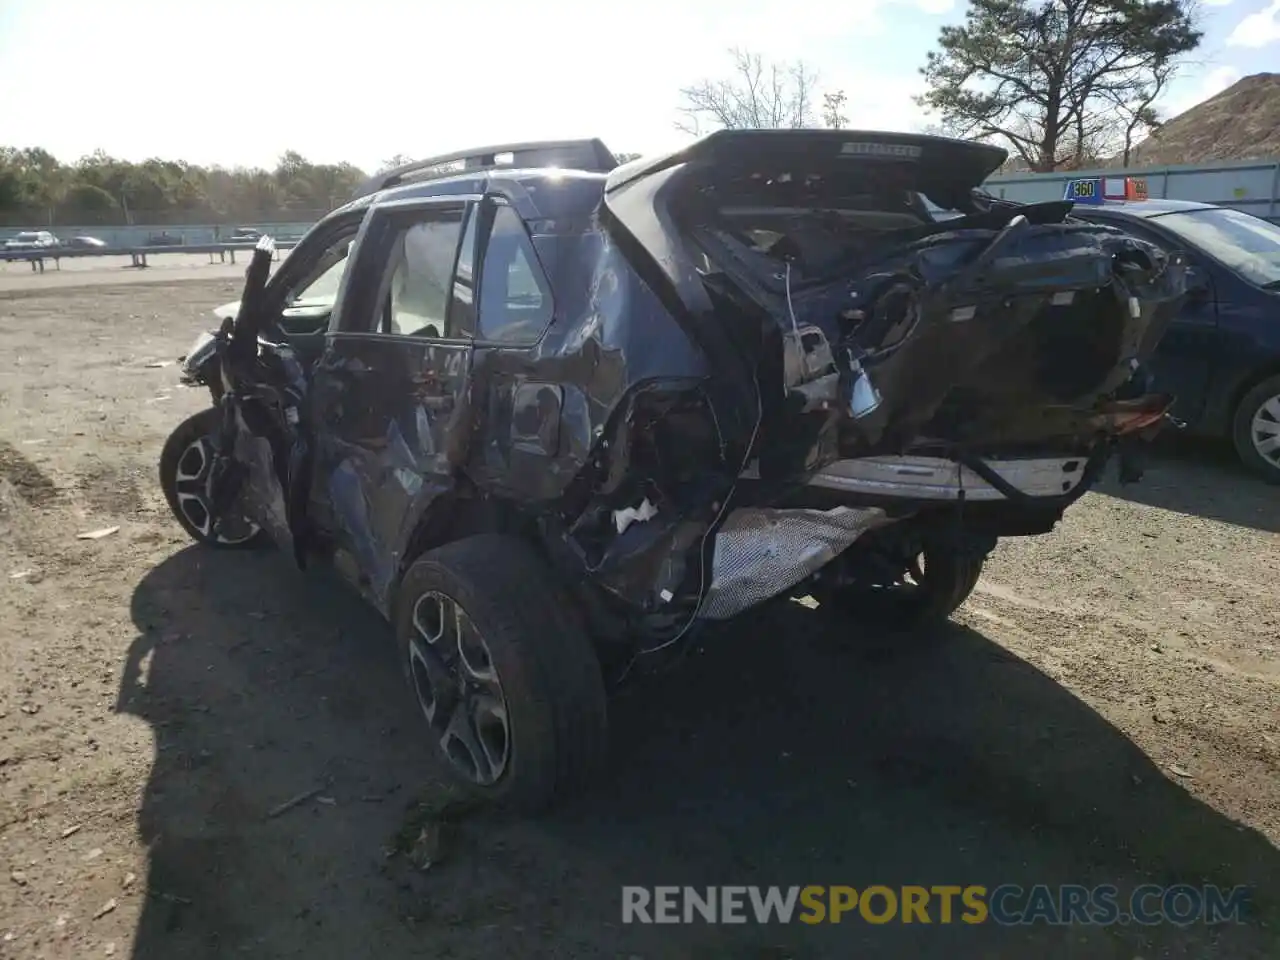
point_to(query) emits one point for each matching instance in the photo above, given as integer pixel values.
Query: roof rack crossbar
(590, 155)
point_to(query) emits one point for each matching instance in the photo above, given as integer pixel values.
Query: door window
(420, 285)
(421, 280)
(515, 298)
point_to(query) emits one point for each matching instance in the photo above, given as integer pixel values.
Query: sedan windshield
(1249, 245)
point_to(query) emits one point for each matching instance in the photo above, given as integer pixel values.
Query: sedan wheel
(1265, 431)
(1257, 429)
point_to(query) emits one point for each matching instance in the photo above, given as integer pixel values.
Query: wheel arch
(1250, 380)
(452, 516)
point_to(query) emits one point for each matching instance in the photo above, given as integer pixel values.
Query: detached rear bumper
(939, 479)
(936, 478)
(761, 552)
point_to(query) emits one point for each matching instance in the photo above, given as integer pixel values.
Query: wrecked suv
(550, 414)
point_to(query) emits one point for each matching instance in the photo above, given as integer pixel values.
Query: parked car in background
(244, 235)
(86, 243)
(1221, 354)
(31, 240)
(164, 239)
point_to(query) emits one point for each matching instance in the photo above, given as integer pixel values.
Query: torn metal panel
(262, 387)
(547, 407)
(398, 425)
(613, 408)
(937, 330)
(761, 553)
(638, 513)
(1029, 317)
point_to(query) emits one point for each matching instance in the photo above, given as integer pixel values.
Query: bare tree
(833, 105)
(1139, 111)
(758, 93)
(399, 160)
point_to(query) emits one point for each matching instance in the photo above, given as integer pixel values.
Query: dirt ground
(1106, 709)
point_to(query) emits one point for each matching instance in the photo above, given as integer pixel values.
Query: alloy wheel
(1264, 431)
(191, 486)
(458, 689)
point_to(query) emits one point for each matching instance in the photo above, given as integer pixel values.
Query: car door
(1183, 362)
(389, 395)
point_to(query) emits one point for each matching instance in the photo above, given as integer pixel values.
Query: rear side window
(515, 298)
(423, 278)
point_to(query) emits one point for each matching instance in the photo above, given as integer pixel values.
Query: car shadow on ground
(787, 749)
(1203, 478)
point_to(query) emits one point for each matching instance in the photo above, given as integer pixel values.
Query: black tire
(950, 576)
(548, 676)
(201, 428)
(1242, 431)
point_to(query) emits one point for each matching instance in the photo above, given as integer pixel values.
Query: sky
(238, 82)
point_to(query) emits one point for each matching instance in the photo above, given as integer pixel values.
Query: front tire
(506, 679)
(1255, 430)
(185, 463)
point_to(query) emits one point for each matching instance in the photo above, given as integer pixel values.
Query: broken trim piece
(937, 478)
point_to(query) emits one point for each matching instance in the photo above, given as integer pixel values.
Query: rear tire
(184, 465)
(1256, 424)
(949, 577)
(505, 677)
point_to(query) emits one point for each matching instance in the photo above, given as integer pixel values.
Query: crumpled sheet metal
(265, 497)
(985, 313)
(762, 552)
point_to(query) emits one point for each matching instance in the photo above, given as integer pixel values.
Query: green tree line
(37, 190)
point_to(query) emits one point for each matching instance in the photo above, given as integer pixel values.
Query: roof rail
(591, 155)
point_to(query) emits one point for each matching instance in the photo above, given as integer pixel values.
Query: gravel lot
(1106, 709)
(102, 271)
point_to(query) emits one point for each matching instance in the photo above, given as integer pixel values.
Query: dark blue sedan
(1221, 355)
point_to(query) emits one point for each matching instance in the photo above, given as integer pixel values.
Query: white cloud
(1211, 84)
(946, 6)
(1258, 29)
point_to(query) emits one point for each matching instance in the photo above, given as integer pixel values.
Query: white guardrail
(39, 256)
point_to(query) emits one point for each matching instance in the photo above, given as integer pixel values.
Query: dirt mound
(1240, 123)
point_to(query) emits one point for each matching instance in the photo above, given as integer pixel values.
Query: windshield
(1246, 244)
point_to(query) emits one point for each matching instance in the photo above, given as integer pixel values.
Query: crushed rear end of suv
(551, 414)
